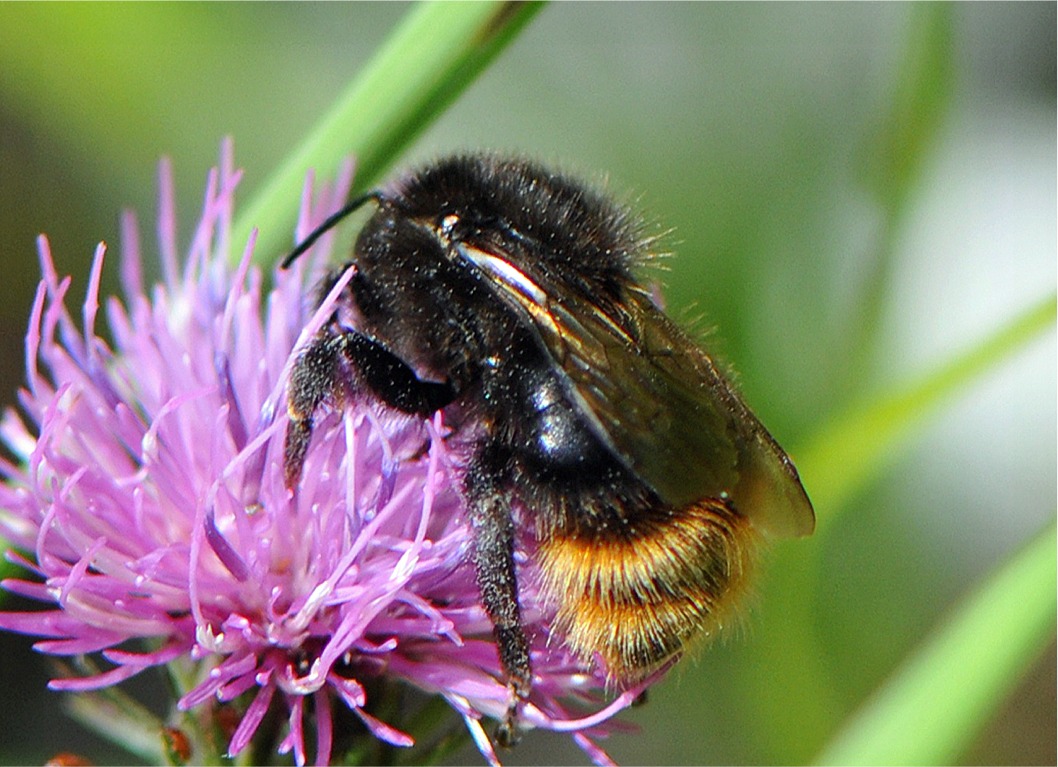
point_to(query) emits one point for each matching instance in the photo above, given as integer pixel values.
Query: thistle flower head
(148, 499)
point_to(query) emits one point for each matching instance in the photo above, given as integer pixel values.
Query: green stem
(116, 716)
(897, 154)
(433, 55)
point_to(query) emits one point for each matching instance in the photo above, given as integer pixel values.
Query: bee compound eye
(448, 224)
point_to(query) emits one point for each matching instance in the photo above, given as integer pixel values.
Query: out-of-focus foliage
(858, 194)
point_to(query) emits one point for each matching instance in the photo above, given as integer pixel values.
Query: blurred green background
(762, 135)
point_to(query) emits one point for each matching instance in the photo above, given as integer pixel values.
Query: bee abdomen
(638, 598)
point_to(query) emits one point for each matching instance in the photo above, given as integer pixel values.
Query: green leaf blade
(929, 712)
(861, 440)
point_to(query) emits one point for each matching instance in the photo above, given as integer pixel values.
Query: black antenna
(327, 225)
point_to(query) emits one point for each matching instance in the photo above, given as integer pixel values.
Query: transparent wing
(655, 398)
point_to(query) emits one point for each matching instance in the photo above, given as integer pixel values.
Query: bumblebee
(508, 295)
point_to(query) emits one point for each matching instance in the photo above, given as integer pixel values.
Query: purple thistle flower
(149, 500)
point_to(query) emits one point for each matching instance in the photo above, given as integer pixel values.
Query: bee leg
(318, 375)
(312, 379)
(493, 533)
(391, 379)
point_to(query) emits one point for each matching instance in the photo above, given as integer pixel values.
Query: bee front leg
(313, 379)
(320, 374)
(391, 379)
(493, 532)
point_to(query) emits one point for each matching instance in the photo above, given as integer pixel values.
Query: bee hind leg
(493, 556)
